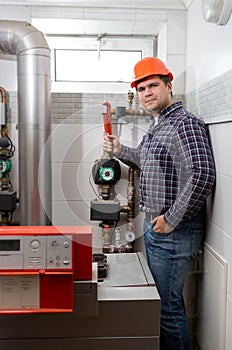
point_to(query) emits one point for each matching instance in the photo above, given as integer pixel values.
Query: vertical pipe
(34, 132)
(33, 69)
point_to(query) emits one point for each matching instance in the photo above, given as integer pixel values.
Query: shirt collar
(166, 111)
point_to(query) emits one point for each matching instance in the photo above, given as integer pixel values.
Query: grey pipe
(33, 73)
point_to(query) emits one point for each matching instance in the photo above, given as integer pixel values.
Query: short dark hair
(165, 78)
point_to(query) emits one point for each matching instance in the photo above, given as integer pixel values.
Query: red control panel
(38, 266)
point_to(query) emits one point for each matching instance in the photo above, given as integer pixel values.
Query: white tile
(76, 142)
(92, 139)
(113, 14)
(213, 298)
(221, 207)
(131, 134)
(73, 181)
(65, 182)
(208, 48)
(176, 64)
(64, 137)
(87, 188)
(100, 26)
(220, 135)
(221, 242)
(177, 28)
(8, 72)
(67, 213)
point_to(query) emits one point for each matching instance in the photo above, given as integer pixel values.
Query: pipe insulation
(34, 121)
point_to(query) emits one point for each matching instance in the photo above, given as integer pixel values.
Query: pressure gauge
(106, 174)
(35, 244)
(106, 171)
(129, 236)
(5, 166)
(2, 166)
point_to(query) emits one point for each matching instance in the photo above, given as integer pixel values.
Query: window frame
(147, 46)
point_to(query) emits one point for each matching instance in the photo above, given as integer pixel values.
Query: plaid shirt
(177, 169)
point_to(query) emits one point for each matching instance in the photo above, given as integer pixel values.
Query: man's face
(154, 95)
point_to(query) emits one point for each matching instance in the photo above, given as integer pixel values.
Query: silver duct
(33, 72)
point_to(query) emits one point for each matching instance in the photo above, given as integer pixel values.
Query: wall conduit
(34, 122)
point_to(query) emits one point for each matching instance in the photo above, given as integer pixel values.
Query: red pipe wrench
(107, 119)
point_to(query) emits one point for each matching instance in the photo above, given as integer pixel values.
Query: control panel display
(9, 245)
(47, 252)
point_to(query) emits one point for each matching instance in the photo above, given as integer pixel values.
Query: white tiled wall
(75, 147)
(208, 51)
(176, 50)
(212, 298)
(208, 73)
(171, 47)
(220, 229)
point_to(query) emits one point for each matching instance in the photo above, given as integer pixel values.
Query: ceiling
(93, 17)
(153, 4)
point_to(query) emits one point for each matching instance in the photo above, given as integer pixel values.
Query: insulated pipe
(33, 73)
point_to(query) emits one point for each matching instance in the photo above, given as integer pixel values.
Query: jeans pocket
(147, 226)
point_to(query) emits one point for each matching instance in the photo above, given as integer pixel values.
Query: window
(93, 66)
(75, 49)
(76, 67)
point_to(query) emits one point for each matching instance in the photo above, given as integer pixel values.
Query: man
(176, 175)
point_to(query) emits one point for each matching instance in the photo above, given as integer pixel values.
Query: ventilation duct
(34, 124)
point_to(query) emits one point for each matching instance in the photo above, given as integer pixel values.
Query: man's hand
(160, 225)
(111, 144)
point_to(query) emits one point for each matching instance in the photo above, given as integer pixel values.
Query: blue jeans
(169, 257)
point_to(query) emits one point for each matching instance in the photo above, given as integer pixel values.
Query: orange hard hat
(149, 66)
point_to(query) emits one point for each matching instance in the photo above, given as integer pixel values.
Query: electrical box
(105, 210)
(8, 200)
(38, 266)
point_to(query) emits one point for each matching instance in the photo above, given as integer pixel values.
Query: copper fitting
(131, 175)
(3, 93)
(130, 98)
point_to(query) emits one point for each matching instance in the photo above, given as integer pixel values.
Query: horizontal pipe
(139, 112)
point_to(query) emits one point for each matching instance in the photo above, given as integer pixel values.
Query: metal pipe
(3, 110)
(33, 73)
(138, 112)
(3, 93)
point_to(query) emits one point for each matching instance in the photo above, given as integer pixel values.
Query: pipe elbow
(19, 36)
